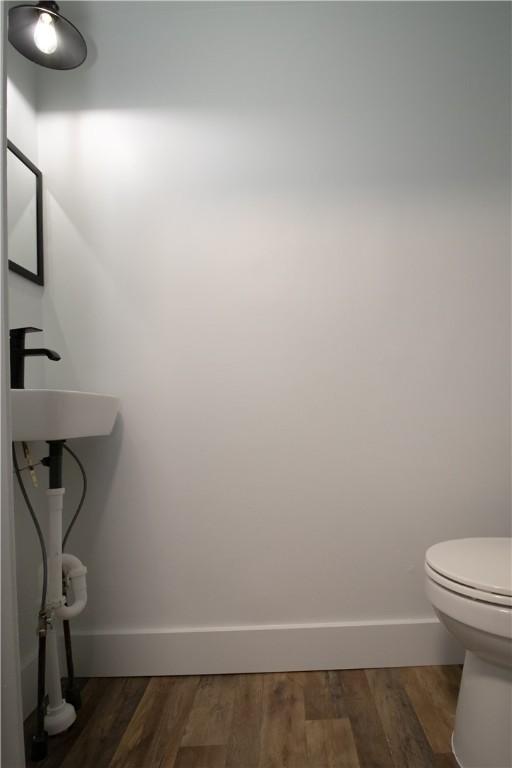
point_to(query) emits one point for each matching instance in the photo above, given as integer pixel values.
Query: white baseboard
(266, 648)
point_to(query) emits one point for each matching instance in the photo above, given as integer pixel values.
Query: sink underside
(53, 414)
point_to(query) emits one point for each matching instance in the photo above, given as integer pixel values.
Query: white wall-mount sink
(60, 414)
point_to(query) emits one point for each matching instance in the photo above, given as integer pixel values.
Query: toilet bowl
(469, 583)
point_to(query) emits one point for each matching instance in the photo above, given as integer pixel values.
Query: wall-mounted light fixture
(44, 36)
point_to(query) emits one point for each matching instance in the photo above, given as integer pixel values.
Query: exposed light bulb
(45, 36)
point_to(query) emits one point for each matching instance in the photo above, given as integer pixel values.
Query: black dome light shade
(41, 34)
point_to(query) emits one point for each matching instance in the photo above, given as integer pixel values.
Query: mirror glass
(24, 214)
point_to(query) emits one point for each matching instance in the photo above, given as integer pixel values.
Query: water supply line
(39, 746)
(82, 497)
(35, 521)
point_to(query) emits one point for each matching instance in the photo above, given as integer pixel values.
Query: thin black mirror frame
(35, 277)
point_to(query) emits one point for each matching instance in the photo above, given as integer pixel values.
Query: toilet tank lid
(485, 564)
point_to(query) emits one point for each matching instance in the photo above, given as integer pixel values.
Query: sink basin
(60, 414)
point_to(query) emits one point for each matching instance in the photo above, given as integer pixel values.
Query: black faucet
(19, 353)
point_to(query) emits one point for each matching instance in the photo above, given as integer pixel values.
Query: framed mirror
(24, 216)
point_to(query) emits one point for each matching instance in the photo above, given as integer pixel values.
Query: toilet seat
(493, 620)
(470, 592)
(480, 569)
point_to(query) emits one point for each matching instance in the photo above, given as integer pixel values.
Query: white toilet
(469, 583)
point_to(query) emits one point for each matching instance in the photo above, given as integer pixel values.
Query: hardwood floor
(375, 718)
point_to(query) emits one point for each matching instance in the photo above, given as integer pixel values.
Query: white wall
(25, 305)
(280, 232)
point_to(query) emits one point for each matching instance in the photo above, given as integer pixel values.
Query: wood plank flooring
(375, 718)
